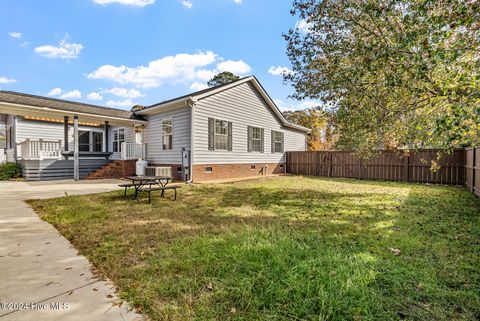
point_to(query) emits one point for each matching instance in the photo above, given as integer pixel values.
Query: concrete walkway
(40, 268)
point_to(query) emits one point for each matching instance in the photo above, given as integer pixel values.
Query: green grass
(288, 248)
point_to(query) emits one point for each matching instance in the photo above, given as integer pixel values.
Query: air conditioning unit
(158, 171)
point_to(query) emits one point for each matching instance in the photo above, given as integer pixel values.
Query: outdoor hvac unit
(158, 171)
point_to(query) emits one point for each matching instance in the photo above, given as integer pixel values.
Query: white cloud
(187, 4)
(292, 106)
(205, 75)
(15, 34)
(237, 67)
(303, 26)
(238, 1)
(125, 93)
(94, 96)
(55, 92)
(137, 3)
(64, 50)
(178, 68)
(24, 44)
(72, 94)
(198, 86)
(5, 80)
(279, 70)
(120, 103)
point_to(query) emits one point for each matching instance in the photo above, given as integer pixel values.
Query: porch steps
(36, 170)
(114, 169)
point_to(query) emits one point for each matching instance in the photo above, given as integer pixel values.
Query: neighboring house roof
(64, 105)
(191, 98)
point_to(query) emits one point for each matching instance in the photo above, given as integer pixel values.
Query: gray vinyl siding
(181, 126)
(31, 129)
(243, 106)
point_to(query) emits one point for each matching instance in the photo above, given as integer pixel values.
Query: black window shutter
(230, 136)
(249, 138)
(273, 141)
(211, 134)
(283, 142)
(262, 140)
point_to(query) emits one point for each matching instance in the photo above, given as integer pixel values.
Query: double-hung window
(277, 142)
(118, 139)
(219, 134)
(255, 139)
(167, 134)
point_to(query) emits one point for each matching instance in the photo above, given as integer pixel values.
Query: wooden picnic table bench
(149, 190)
(154, 183)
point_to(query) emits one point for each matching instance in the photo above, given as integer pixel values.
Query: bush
(9, 170)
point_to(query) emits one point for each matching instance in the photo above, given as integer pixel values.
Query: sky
(119, 53)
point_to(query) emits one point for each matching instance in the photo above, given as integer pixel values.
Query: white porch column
(76, 167)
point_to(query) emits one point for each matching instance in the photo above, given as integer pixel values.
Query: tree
(394, 73)
(322, 136)
(222, 78)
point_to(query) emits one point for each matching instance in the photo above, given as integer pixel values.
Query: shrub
(9, 170)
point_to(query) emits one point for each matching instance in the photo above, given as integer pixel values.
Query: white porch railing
(133, 151)
(40, 149)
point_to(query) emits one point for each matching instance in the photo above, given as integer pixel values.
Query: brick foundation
(232, 171)
(115, 169)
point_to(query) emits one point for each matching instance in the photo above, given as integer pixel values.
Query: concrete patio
(39, 266)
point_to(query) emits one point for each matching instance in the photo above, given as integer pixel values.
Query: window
(83, 141)
(255, 139)
(252, 167)
(208, 169)
(97, 142)
(167, 134)
(118, 139)
(277, 142)
(219, 134)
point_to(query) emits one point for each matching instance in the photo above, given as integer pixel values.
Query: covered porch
(45, 137)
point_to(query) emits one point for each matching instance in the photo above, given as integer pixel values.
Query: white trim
(188, 101)
(192, 138)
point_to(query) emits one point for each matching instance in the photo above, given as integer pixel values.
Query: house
(229, 131)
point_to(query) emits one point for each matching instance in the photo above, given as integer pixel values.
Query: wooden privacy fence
(387, 165)
(472, 169)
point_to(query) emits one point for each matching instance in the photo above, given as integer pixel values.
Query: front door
(89, 141)
(83, 141)
(97, 142)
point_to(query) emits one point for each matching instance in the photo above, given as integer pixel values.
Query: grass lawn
(286, 248)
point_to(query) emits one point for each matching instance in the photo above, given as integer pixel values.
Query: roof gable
(189, 100)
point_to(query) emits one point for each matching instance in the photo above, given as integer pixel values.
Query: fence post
(406, 161)
(474, 150)
(360, 174)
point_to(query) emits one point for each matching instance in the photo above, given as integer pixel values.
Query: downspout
(192, 102)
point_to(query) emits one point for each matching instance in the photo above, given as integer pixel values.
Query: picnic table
(139, 182)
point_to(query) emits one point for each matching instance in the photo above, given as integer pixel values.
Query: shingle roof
(59, 104)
